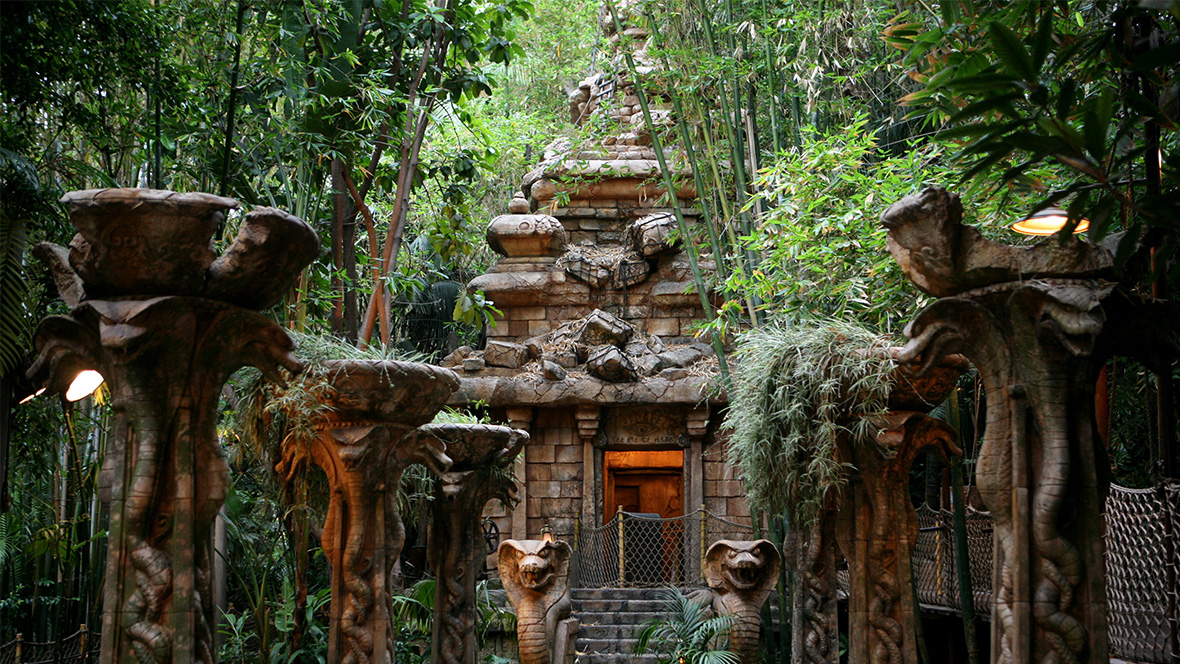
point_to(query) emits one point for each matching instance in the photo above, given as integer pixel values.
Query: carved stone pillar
(165, 324)
(877, 529)
(811, 552)
(1038, 322)
(521, 417)
(480, 455)
(588, 417)
(361, 444)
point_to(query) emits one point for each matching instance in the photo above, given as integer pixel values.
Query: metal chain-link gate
(638, 551)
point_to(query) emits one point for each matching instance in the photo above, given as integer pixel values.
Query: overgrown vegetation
(689, 634)
(799, 391)
(398, 129)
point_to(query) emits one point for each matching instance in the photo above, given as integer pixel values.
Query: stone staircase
(611, 621)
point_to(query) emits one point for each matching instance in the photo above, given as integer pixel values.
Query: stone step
(616, 658)
(616, 605)
(619, 593)
(609, 646)
(617, 617)
(613, 632)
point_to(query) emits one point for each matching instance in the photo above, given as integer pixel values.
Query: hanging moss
(797, 390)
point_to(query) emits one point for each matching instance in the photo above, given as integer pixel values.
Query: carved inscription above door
(644, 427)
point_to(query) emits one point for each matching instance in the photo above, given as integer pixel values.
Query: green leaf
(1042, 41)
(1002, 103)
(1011, 51)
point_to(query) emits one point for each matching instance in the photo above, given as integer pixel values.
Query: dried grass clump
(797, 390)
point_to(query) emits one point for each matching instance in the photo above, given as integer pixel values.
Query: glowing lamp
(32, 396)
(1047, 222)
(85, 383)
(546, 533)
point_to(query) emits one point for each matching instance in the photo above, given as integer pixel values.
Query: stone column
(696, 426)
(521, 418)
(1038, 322)
(165, 322)
(588, 419)
(877, 529)
(481, 455)
(361, 444)
(810, 551)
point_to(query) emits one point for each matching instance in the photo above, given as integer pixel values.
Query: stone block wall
(724, 494)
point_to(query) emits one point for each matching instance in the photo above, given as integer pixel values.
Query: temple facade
(595, 355)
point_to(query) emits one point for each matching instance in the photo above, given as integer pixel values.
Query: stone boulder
(611, 364)
(649, 235)
(505, 354)
(599, 328)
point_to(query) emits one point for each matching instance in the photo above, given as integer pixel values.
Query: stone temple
(595, 355)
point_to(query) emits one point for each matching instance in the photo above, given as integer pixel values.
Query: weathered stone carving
(535, 574)
(649, 234)
(526, 235)
(877, 528)
(361, 444)
(479, 453)
(943, 257)
(811, 553)
(1038, 323)
(611, 364)
(741, 576)
(165, 359)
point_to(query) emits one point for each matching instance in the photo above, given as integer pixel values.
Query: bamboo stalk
(670, 188)
(962, 560)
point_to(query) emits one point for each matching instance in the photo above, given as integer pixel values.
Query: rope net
(1141, 567)
(935, 569)
(655, 552)
(77, 648)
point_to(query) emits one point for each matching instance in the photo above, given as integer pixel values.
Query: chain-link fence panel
(645, 551)
(1172, 505)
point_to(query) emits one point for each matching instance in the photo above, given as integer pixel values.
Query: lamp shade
(1047, 222)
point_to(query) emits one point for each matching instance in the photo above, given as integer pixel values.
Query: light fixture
(1047, 222)
(546, 533)
(32, 396)
(85, 383)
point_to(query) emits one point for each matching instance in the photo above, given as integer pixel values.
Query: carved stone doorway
(647, 482)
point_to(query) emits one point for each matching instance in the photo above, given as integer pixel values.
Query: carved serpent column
(811, 553)
(482, 456)
(878, 527)
(1038, 322)
(165, 324)
(742, 575)
(535, 574)
(361, 444)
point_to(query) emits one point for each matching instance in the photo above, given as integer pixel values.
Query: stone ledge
(582, 389)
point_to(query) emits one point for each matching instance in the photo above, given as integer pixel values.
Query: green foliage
(687, 635)
(1081, 87)
(800, 391)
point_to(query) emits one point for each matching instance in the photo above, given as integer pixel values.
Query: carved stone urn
(481, 455)
(165, 321)
(361, 444)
